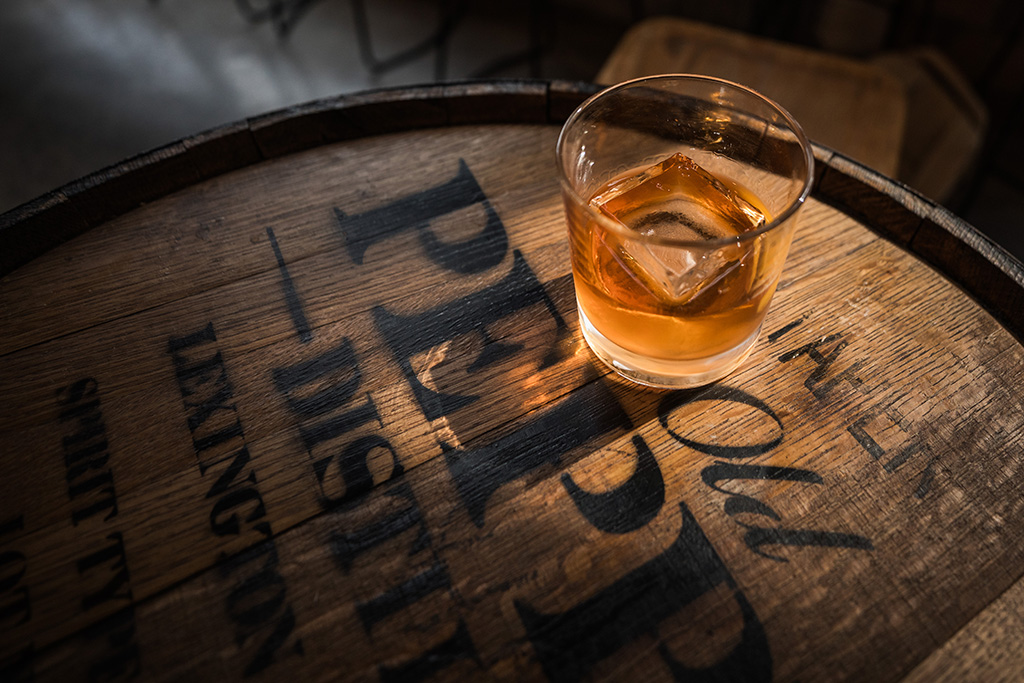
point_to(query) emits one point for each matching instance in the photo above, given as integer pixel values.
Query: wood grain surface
(319, 409)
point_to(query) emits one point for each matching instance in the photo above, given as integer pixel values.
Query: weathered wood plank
(369, 443)
(987, 648)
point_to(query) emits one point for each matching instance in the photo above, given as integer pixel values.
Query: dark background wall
(87, 83)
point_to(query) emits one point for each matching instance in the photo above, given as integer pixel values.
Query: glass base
(664, 374)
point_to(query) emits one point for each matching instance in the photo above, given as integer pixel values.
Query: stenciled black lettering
(355, 471)
(757, 537)
(587, 413)
(90, 425)
(924, 482)
(15, 606)
(859, 432)
(108, 502)
(322, 393)
(209, 442)
(808, 348)
(86, 452)
(401, 596)
(201, 412)
(91, 489)
(628, 507)
(777, 334)
(15, 602)
(12, 569)
(458, 647)
(196, 375)
(231, 474)
(348, 545)
(72, 395)
(112, 559)
(91, 457)
(103, 481)
(339, 363)
(866, 441)
(897, 461)
(208, 395)
(257, 602)
(738, 503)
(416, 211)
(224, 519)
(199, 337)
(408, 335)
(211, 414)
(274, 641)
(83, 412)
(257, 599)
(231, 565)
(568, 644)
(291, 295)
(816, 382)
(676, 400)
(313, 434)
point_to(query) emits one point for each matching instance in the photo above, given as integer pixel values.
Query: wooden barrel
(305, 398)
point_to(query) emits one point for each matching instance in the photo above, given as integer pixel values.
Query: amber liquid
(667, 303)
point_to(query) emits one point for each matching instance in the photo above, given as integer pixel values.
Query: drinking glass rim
(615, 226)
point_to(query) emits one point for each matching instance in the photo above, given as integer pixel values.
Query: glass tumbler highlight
(681, 195)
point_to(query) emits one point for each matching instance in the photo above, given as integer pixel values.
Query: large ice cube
(678, 200)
